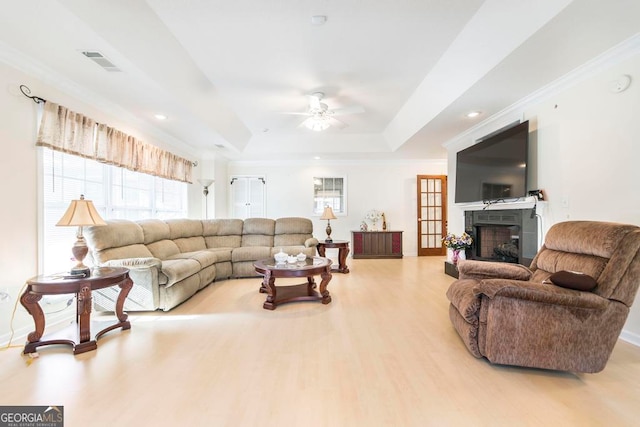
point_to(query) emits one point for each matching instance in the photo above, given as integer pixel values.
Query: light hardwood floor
(383, 353)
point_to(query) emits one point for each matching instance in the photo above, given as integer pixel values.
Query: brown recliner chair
(514, 315)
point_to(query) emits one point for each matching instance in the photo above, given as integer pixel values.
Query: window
(117, 193)
(329, 192)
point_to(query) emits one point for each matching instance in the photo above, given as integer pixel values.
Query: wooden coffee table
(276, 295)
(79, 334)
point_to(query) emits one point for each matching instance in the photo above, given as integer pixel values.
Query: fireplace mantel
(522, 203)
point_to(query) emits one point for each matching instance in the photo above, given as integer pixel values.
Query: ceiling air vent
(100, 59)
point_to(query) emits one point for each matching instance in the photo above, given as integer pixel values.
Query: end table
(343, 251)
(79, 337)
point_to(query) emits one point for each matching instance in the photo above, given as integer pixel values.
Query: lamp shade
(81, 213)
(328, 213)
(205, 182)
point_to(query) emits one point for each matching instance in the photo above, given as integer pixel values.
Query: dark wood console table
(343, 251)
(79, 336)
(308, 268)
(377, 244)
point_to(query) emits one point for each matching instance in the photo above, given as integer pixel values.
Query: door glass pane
(438, 215)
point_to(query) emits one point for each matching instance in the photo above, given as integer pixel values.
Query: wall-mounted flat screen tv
(495, 168)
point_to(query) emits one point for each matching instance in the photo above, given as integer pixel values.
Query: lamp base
(328, 231)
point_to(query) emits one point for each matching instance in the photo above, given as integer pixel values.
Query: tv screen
(495, 168)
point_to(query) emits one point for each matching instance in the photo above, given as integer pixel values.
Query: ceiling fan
(320, 117)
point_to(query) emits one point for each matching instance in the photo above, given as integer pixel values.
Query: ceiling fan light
(317, 125)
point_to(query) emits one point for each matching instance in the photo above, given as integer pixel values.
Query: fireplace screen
(498, 242)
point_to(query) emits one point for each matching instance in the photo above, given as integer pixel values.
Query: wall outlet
(565, 201)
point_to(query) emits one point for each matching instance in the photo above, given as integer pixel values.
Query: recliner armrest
(311, 242)
(470, 269)
(541, 293)
(134, 262)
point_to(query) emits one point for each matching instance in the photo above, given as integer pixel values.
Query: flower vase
(458, 254)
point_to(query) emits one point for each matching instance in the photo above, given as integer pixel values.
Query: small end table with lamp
(81, 280)
(341, 245)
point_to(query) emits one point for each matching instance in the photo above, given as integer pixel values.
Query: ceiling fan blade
(337, 123)
(303, 124)
(296, 113)
(355, 109)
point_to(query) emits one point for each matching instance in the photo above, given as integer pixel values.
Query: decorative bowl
(280, 257)
(292, 260)
(301, 256)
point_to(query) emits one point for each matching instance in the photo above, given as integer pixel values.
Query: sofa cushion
(290, 239)
(293, 225)
(184, 228)
(205, 257)
(128, 251)
(222, 227)
(163, 249)
(154, 230)
(222, 254)
(213, 242)
(587, 237)
(119, 232)
(250, 253)
(175, 270)
(258, 232)
(190, 244)
(551, 261)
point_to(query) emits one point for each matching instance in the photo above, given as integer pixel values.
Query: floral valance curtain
(70, 132)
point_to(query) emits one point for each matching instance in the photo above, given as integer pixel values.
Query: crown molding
(609, 58)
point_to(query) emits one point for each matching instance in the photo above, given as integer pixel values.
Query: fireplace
(509, 235)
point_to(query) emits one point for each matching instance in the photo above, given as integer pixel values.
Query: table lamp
(80, 213)
(328, 215)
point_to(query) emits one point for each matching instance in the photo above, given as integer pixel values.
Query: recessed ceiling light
(316, 158)
(160, 116)
(473, 114)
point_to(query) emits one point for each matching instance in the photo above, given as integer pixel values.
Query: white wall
(587, 142)
(386, 186)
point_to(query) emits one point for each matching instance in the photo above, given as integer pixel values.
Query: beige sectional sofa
(171, 260)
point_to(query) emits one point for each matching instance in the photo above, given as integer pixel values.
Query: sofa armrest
(479, 270)
(133, 263)
(311, 242)
(541, 293)
(145, 295)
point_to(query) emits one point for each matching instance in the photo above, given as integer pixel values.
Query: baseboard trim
(54, 322)
(630, 337)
